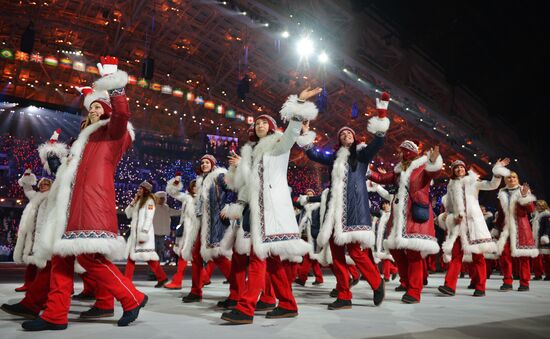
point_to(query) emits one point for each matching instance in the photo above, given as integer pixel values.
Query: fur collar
(414, 165)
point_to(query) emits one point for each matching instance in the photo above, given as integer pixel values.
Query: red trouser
(490, 265)
(425, 273)
(37, 294)
(103, 299)
(411, 271)
(177, 278)
(430, 260)
(477, 273)
(291, 269)
(197, 277)
(207, 271)
(105, 274)
(154, 265)
(538, 266)
(340, 268)
(268, 294)
(256, 283)
(237, 276)
(388, 268)
(304, 268)
(352, 272)
(506, 267)
(30, 274)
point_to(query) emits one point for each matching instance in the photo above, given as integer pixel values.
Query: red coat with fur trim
(85, 210)
(513, 223)
(414, 185)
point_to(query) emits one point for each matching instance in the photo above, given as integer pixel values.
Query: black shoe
(425, 282)
(237, 317)
(537, 278)
(161, 283)
(472, 286)
(279, 312)
(353, 282)
(340, 304)
(446, 290)
(393, 276)
(191, 298)
(379, 294)
(40, 324)
(261, 306)
(516, 277)
(400, 288)
(225, 282)
(506, 287)
(131, 315)
(19, 310)
(333, 293)
(461, 275)
(479, 293)
(407, 299)
(227, 304)
(207, 283)
(317, 283)
(300, 282)
(523, 288)
(95, 312)
(82, 296)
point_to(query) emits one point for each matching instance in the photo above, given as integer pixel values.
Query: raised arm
(499, 171)
(433, 166)
(295, 110)
(113, 81)
(174, 187)
(368, 152)
(27, 181)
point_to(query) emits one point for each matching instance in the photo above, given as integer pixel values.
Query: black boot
(299, 282)
(237, 317)
(261, 306)
(472, 286)
(279, 312)
(161, 283)
(446, 290)
(131, 315)
(407, 299)
(95, 312)
(333, 293)
(191, 298)
(400, 288)
(523, 288)
(40, 324)
(317, 283)
(82, 296)
(228, 304)
(353, 282)
(506, 287)
(379, 294)
(340, 304)
(19, 310)
(479, 293)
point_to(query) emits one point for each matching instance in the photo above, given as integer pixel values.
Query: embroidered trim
(89, 234)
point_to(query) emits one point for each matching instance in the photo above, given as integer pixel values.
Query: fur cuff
(58, 149)
(111, 81)
(447, 258)
(378, 125)
(302, 200)
(233, 211)
(143, 237)
(544, 240)
(172, 189)
(306, 139)
(501, 171)
(29, 180)
(495, 233)
(527, 199)
(294, 109)
(434, 166)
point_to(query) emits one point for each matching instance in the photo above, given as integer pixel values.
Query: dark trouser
(159, 247)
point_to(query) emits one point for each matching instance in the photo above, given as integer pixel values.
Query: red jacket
(513, 223)
(414, 185)
(86, 186)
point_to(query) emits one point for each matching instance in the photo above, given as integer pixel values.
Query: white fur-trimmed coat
(263, 168)
(543, 249)
(31, 224)
(141, 229)
(236, 238)
(462, 199)
(188, 220)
